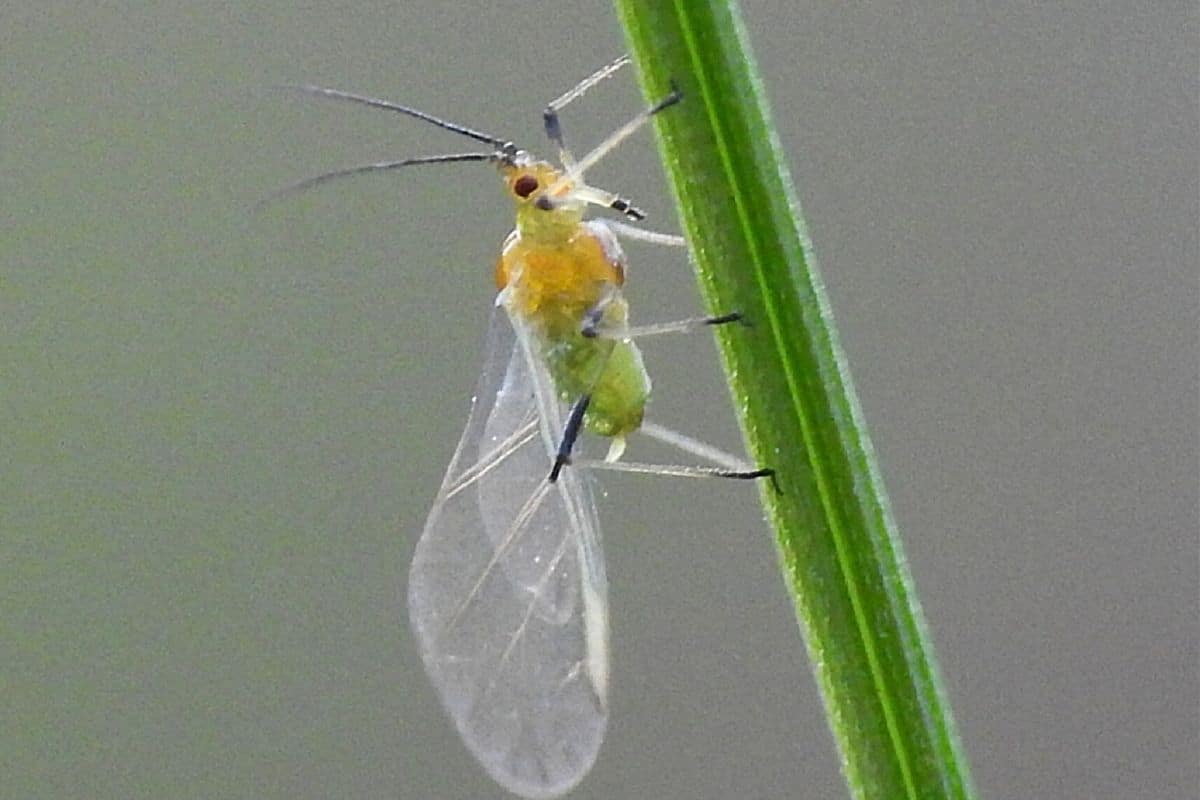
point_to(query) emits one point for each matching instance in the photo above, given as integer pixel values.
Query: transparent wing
(507, 592)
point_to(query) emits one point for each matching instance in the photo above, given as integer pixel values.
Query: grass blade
(840, 551)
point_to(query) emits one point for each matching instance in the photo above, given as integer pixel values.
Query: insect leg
(677, 471)
(606, 199)
(550, 115)
(578, 411)
(596, 326)
(573, 174)
(570, 435)
(640, 234)
(727, 465)
(614, 139)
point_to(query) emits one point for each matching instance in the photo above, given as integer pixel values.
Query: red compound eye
(525, 186)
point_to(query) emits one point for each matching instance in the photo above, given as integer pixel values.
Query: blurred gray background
(221, 431)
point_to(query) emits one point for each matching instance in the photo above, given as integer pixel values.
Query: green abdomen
(612, 371)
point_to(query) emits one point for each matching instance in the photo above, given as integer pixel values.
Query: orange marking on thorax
(557, 283)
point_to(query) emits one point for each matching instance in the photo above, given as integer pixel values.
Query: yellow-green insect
(507, 591)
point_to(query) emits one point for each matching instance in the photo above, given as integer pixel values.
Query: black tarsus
(633, 212)
(725, 319)
(753, 474)
(590, 327)
(553, 128)
(570, 435)
(673, 97)
(622, 205)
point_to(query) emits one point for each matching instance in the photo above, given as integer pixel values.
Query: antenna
(378, 166)
(453, 127)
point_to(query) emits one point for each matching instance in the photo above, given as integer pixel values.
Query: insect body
(562, 278)
(507, 591)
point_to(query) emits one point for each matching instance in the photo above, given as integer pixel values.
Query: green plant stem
(840, 551)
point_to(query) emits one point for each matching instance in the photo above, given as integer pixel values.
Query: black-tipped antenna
(379, 166)
(463, 130)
